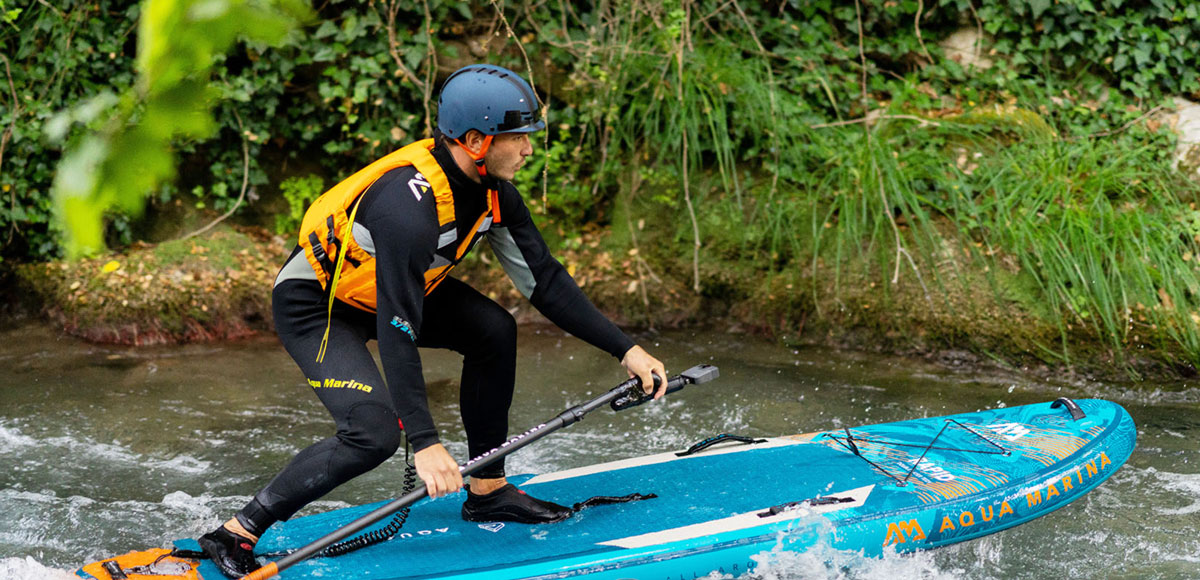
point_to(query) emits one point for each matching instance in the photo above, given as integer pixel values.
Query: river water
(109, 449)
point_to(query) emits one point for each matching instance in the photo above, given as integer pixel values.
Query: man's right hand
(438, 470)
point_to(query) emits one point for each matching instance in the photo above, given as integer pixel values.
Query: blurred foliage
(128, 153)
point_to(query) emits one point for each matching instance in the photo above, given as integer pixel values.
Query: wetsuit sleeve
(544, 281)
(404, 231)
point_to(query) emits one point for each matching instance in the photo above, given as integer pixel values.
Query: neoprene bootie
(509, 504)
(233, 554)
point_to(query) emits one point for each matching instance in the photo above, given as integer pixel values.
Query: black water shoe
(233, 554)
(509, 504)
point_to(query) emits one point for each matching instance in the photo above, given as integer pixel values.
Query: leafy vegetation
(787, 154)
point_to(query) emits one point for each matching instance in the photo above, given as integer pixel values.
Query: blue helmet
(489, 99)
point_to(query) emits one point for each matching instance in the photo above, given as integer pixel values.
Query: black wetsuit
(401, 231)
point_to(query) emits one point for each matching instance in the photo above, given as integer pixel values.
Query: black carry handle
(1072, 407)
(634, 395)
(695, 375)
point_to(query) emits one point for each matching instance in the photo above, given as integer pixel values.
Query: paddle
(623, 396)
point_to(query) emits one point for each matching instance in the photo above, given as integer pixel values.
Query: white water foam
(13, 440)
(1186, 485)
(37, 524)
(28, 568)
(822, 562)
(123, 455)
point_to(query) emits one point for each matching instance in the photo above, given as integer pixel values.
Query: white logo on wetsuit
(419, 186)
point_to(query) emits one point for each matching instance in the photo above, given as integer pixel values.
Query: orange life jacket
(329, 245)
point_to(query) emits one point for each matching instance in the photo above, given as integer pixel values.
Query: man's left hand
(639, 363)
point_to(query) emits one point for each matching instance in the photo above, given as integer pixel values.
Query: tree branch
(394, 47)
(245, 181)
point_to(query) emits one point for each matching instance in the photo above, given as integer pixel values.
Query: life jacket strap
(477, 156)
(318, 252)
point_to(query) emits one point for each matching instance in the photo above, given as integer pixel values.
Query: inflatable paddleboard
(905, 486)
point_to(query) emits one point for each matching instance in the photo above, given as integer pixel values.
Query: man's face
(507, 154)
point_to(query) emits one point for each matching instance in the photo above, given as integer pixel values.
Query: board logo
(492, 527)
(1009, 431)
(927, 470)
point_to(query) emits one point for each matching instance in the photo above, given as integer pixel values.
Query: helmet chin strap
(477, 156)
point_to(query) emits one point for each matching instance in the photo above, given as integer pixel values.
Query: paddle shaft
(566, 418)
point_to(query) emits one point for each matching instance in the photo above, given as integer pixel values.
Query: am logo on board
(996, 513)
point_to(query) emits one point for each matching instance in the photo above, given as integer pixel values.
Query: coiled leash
(387, 532)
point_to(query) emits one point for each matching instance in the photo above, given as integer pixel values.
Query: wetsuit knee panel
(497, 329)
(371, 427)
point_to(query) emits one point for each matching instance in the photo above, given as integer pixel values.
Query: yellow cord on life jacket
(337, 275)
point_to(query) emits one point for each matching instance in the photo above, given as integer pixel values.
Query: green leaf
(326, 29)
(1119, 62)
(1038, 7)
(1142, 53)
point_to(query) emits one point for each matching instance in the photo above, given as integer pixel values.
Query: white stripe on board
(740, 521)
(719, 449)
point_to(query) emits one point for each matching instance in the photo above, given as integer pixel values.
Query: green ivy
(328, 98)
(299, 192)
(52, 57)
(1147, 49)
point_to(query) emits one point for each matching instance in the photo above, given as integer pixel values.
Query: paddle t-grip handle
(634, 395)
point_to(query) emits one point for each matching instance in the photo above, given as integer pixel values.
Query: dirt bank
(218, 287)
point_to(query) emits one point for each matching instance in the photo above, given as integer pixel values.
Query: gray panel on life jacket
(297, 268)
(363, 237)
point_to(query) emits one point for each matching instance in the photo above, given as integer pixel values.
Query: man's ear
(472, 139)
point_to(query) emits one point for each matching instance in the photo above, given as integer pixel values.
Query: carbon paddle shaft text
(568, 417)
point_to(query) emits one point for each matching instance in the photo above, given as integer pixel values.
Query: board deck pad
(905, 486)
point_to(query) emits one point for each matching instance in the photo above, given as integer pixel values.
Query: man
(372, 262)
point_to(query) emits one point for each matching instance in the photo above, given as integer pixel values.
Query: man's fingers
(443, 483)
(639, 363)
(447, 483)
(438, 470)
(647, 382)
(431, 485)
